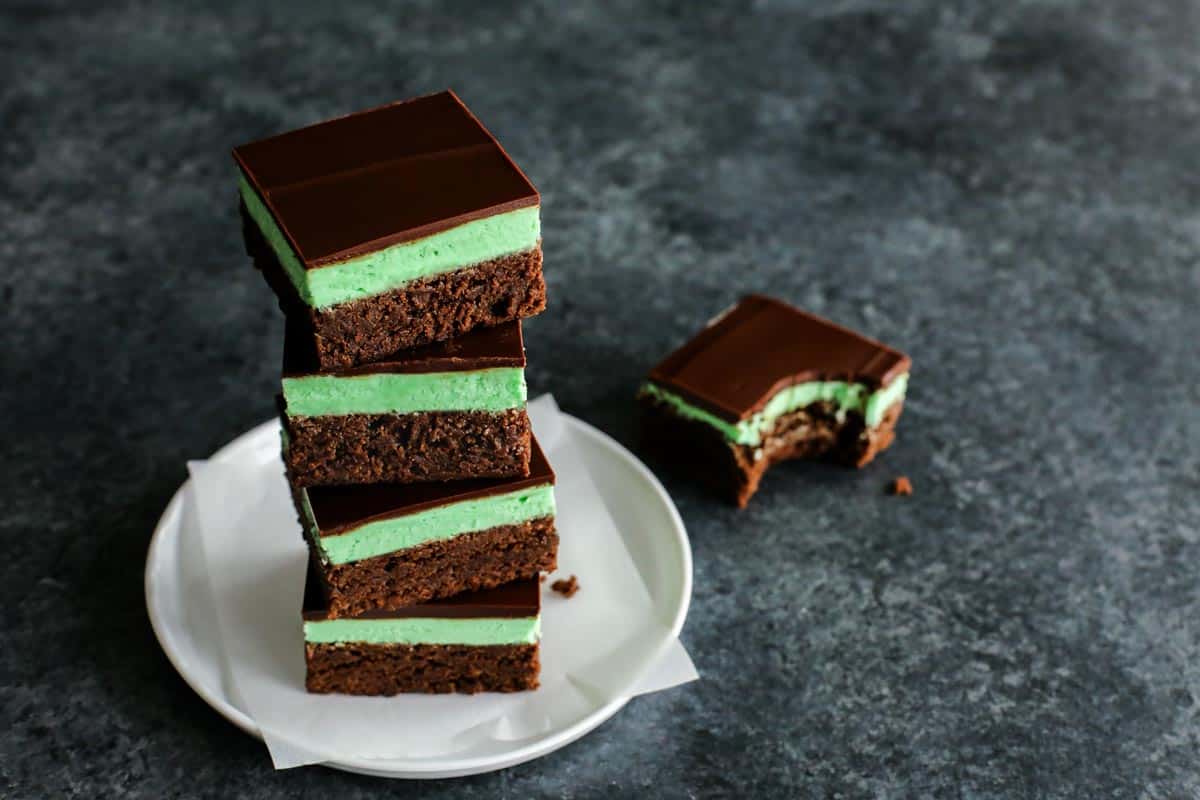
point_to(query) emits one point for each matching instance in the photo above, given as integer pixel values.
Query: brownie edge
(389, 669)
(468, 562)
(407, 448)
(734, 471)
(428, 310)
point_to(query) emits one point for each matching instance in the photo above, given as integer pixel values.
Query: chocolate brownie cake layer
(404, 448)
(816, 432)
(465, 563)
(383, 669)
(427, 310)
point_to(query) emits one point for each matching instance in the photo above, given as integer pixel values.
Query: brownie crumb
(566, 588)
(901, 486)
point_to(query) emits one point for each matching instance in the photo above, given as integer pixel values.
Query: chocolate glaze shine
(392, 174)
(761, 346)
(483, 348)
(341, 509)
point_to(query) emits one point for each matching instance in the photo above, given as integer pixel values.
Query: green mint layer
(391, 267)
(436, 524)
(749, 432)
(496, 389)
(425, 630)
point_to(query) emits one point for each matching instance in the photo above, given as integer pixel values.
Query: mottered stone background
(1006, 190)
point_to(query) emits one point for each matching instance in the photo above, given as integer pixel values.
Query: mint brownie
(385, 546)
(766, 382)
(392, 228)
(483, 641)
(446, 411)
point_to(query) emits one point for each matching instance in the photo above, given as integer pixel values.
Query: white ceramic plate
(642, 510)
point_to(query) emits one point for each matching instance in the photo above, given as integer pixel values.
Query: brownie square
(443, 412)
(386, 546)
(484, 641)
(766, 382)
(392, 228)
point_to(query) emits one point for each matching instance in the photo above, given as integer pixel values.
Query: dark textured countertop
(1005, 190)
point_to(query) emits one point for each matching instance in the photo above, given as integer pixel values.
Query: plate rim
(413, 769)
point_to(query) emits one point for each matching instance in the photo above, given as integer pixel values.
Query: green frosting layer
(398, 393)
(392, 267)
(846, 396)
(425, 630)
(436, 524)
(879, 402)
(275, 238)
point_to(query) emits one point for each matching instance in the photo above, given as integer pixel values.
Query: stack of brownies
(405, 248)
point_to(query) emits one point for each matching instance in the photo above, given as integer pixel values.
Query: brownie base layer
(734, 471)
(387, 669)
(469, 562)
(407, 448)
(428, 310)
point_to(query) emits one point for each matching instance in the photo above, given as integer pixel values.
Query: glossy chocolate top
(340, 509)
(380, 177)
(521, 598)
(482, 348)
(762, 345)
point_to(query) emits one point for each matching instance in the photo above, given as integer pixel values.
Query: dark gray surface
(1005, 190)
